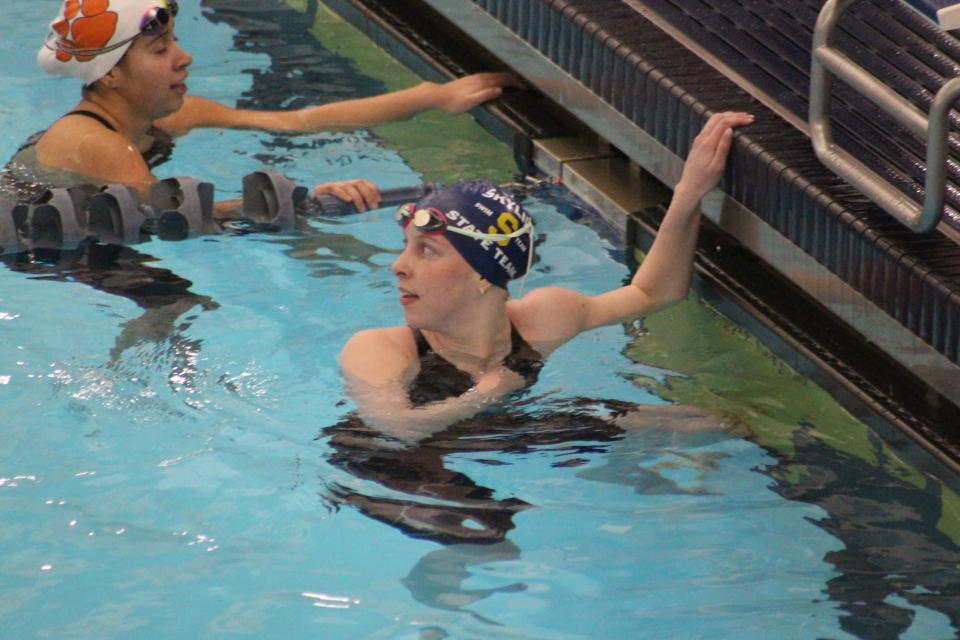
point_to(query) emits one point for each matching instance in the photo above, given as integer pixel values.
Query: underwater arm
(378, 367)
(202, 112)
(386, 408)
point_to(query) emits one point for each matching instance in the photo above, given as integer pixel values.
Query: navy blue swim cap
(483, 207)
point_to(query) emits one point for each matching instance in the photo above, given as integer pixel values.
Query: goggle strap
(60, 45)
(479, 235)
(523, 280)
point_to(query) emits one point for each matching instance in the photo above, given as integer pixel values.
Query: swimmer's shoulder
(77, 142)
(85, 147)
(380, 355)
(547, 317)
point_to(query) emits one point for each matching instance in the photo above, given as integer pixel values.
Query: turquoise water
(164, 472)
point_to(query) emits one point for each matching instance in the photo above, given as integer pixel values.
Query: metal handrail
(827, 62)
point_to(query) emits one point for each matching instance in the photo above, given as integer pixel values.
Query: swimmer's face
(435, 283)
(153, 73)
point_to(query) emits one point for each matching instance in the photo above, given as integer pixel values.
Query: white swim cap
(89, 37)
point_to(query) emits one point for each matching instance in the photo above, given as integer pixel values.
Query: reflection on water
(425, 499)
(900, 529)
(892, 549)
(437, 580)
(164, 297)
(329, 254)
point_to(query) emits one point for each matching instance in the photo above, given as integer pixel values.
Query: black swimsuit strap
(522, 359)
(423, 347)
(437, 379)
(96, 116)
(160, 149)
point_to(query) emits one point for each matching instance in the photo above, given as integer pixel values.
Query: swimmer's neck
(476, 345)
(129, 122)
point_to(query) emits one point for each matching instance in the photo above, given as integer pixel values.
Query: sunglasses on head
(155, 21)
(433, 221)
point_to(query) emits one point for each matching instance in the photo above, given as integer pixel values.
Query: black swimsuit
(24, 189)
(428, 500)
(438, 379)
(118, 270)
(160, 149)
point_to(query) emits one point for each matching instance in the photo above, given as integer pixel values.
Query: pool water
(170, 471)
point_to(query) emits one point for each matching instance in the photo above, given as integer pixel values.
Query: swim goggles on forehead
(433, 221)
(155, 21)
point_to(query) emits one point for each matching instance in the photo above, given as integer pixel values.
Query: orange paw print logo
(86, 24)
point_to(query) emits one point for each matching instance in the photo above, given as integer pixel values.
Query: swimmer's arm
(387, 409)
(452, 97)
(665, 274)
(664, 277)
(377, 367)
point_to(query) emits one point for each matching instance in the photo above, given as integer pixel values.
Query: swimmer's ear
(108, 80)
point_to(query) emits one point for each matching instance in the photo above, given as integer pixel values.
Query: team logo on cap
(86, 24)
(507, 221)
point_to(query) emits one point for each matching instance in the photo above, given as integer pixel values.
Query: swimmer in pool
(428, 389)
(135, 102)
(466, 343)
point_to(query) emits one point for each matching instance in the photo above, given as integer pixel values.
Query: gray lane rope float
(179, 208)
